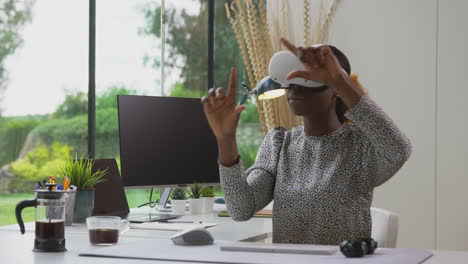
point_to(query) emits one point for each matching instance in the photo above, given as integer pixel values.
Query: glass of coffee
(105, 230)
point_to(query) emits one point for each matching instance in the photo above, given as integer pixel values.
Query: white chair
(384, 227)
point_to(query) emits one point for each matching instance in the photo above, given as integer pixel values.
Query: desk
(256, 229)
(17, 248)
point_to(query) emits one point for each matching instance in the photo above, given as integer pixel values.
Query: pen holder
(69, 206)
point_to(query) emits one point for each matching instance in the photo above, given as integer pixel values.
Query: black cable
(151, 203)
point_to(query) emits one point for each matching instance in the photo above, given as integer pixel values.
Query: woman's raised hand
(320, 63)
(322, 66)
(221, 110)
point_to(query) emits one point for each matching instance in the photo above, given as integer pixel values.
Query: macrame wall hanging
(258, 28)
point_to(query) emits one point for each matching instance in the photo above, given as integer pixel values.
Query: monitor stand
(163, 198)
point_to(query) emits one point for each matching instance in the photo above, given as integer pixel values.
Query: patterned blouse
(321, 185)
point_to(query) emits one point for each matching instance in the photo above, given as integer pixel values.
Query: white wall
(452, 126)
(409, 55)
(391, 45)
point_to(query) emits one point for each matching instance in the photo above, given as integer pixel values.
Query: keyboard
(150, 217)
(281, 248)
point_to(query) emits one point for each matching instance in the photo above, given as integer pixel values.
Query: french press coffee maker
(50, 219)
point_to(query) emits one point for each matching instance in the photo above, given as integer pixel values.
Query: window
(43, 76)
(186, 43)
(44, 80)
(124, 54)
(129, 48)
(227, 55)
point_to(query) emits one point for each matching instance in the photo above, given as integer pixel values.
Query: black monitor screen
(165, 141)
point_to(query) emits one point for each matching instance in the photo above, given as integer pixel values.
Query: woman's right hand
(221, 110)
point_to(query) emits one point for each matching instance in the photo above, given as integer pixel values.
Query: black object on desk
(358, 247)
(109, 195)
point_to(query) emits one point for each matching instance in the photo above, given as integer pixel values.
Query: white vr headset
(281, 64)
(284, 62)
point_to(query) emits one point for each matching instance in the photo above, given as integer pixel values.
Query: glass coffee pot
(50, 219)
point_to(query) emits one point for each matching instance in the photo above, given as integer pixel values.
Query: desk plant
(81, 174)
(195, 203)
(178, 202)
(208, 198)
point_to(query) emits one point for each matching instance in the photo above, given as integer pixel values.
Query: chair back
(384, 227)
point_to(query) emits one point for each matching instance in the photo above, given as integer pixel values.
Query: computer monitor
(165, 142)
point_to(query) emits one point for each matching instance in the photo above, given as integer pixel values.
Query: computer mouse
(220, 200)
(193, 236)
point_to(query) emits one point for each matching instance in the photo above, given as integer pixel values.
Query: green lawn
(8, 203)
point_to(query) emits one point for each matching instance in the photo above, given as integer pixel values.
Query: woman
(321, 175)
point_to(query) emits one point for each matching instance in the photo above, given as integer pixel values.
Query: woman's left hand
(322, 66)
(320, 63)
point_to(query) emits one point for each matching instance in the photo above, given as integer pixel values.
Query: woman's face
(306, 101)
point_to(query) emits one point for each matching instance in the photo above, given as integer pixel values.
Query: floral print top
(322, 186)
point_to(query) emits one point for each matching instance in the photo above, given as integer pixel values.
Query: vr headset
(284, 62)
(281, 64)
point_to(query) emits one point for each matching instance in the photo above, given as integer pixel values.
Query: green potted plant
(178, 202)
(81, 175)
(195, 203)
(208, 198)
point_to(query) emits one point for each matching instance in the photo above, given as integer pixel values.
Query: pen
(66, 183)
(188, 222)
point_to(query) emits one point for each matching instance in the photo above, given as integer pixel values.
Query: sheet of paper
(170, 226)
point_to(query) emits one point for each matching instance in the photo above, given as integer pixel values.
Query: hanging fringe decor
(284, 18)
(325, 24)
(307, 35)
(258, 33)
(265, 30)
(249, 23)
